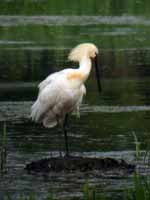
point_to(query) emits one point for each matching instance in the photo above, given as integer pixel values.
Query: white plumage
(62, 92)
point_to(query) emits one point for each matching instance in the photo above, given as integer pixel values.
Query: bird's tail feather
(49, 123)
(36, 111)
(49, 120)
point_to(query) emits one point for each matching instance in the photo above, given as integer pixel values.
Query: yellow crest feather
(82, 50)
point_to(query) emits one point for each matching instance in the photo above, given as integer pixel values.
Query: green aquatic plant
(3, 150)
(91, 194)
(137, 146)
(139, 191)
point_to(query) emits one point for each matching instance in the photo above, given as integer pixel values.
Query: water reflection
(36, 65)
(73, 20)
(105, 128)
(65, 7)
(34, 42)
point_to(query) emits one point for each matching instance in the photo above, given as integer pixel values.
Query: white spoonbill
(62, 92)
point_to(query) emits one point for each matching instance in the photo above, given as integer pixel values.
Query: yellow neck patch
(75, 75)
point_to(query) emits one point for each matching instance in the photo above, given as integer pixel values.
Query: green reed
(3, 150)
(137, 146)
(139, 191)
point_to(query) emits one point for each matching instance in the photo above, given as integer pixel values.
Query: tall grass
(139, 191)
(137, 146)
(91, 194)
(3, 151)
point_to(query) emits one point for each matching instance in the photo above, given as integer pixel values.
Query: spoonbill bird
(62, 92)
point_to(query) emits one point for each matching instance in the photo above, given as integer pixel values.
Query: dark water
(35, 38)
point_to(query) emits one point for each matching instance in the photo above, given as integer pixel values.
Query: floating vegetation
(82, 164)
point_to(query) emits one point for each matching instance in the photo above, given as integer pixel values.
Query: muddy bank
(82, 164)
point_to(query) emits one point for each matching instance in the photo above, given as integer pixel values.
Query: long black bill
(98, 75)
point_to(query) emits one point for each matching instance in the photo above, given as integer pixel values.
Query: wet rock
(82, 164)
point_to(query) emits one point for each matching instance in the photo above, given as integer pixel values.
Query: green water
(35, 39)
(84, 7)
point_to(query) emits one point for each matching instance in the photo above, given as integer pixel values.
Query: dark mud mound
(82, 164)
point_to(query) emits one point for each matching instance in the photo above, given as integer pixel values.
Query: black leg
(60, 146)
(60, 137)
(65, 134)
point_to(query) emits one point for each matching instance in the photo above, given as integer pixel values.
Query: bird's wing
(47, 81)
(52, 77)
(46, 100)
(49, 96)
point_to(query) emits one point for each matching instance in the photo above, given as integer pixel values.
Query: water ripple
(12, 111)
(115, 109)
(71, 20)
(11, 42)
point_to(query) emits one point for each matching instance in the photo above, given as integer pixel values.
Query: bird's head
(87, 50)
(82, 50)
